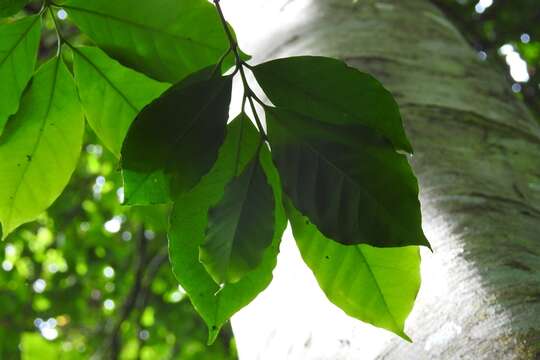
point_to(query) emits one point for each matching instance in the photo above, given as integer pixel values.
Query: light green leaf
(374, 285)
(189, 221)
(166, 39)
(240, 226)
(40, 147)
(347, 179)
(174, 140)
(329, 90)
(111, 94)
(19, 42)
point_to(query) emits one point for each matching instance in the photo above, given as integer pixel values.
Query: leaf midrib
(379, 290)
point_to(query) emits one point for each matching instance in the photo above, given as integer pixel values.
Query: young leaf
(240, 226)
(374, 285)
(347, 180)
(111, 94)
(175, 140)
(166, 39)
(19, 42)
(189, 221)
(11, 7)
(40, 147)
(329, 90)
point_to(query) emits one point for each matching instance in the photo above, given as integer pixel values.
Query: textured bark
(477, 157)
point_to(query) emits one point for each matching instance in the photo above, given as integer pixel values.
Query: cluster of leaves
(330, 161)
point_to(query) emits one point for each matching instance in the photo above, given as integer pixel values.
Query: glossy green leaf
(189, 221)
(166, 39)
(19, 42)
(374, 285)
(111, 94)
(40, 146)
(175, 140)
(240, 226)
(346, 179)
(11, 7)
(329, 90)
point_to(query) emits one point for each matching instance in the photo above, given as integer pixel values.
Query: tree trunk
(477, 157)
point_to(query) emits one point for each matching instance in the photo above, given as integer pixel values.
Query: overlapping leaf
(111, 94)
(374, 285)
(240, 226)
(40, 146)
(189, 220)
(329, 90)
(166, 39)
(19, 43)
(174, 140)
(347, 180)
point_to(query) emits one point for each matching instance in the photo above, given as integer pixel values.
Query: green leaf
(240, 226)
(40, 147)
(111, 94)
(329, 90)
(11, 7)
(374, 285)
(174, 141)
(189, 221)
(347, 180)
(19, 42)
(166, 39)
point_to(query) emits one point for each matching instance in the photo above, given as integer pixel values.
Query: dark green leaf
(240, 226)
(40, 147)
(166, 39)
(189, 221)
(329, 90)
(112, 95)
(19, 42)
(374, 285)
(11, 7)
(175, 140)
(347, 180)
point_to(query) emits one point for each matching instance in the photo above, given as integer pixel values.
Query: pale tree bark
(477, 158)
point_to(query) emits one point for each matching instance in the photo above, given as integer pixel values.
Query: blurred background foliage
(91, 278)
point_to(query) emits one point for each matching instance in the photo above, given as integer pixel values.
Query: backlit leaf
(40, 146)
(189, 220)
(166, 39)
(175, 140)
(111, 94)
(374, 285)
(347, 180)
(19, 43)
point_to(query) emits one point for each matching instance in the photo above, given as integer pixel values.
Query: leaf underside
(165, 39)
(40, 146)
(174, 141)
(189, 220)
(19, 42)
(329, 90)
(111, 94)
(240, 226)
(374, 285)
(347, 180)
